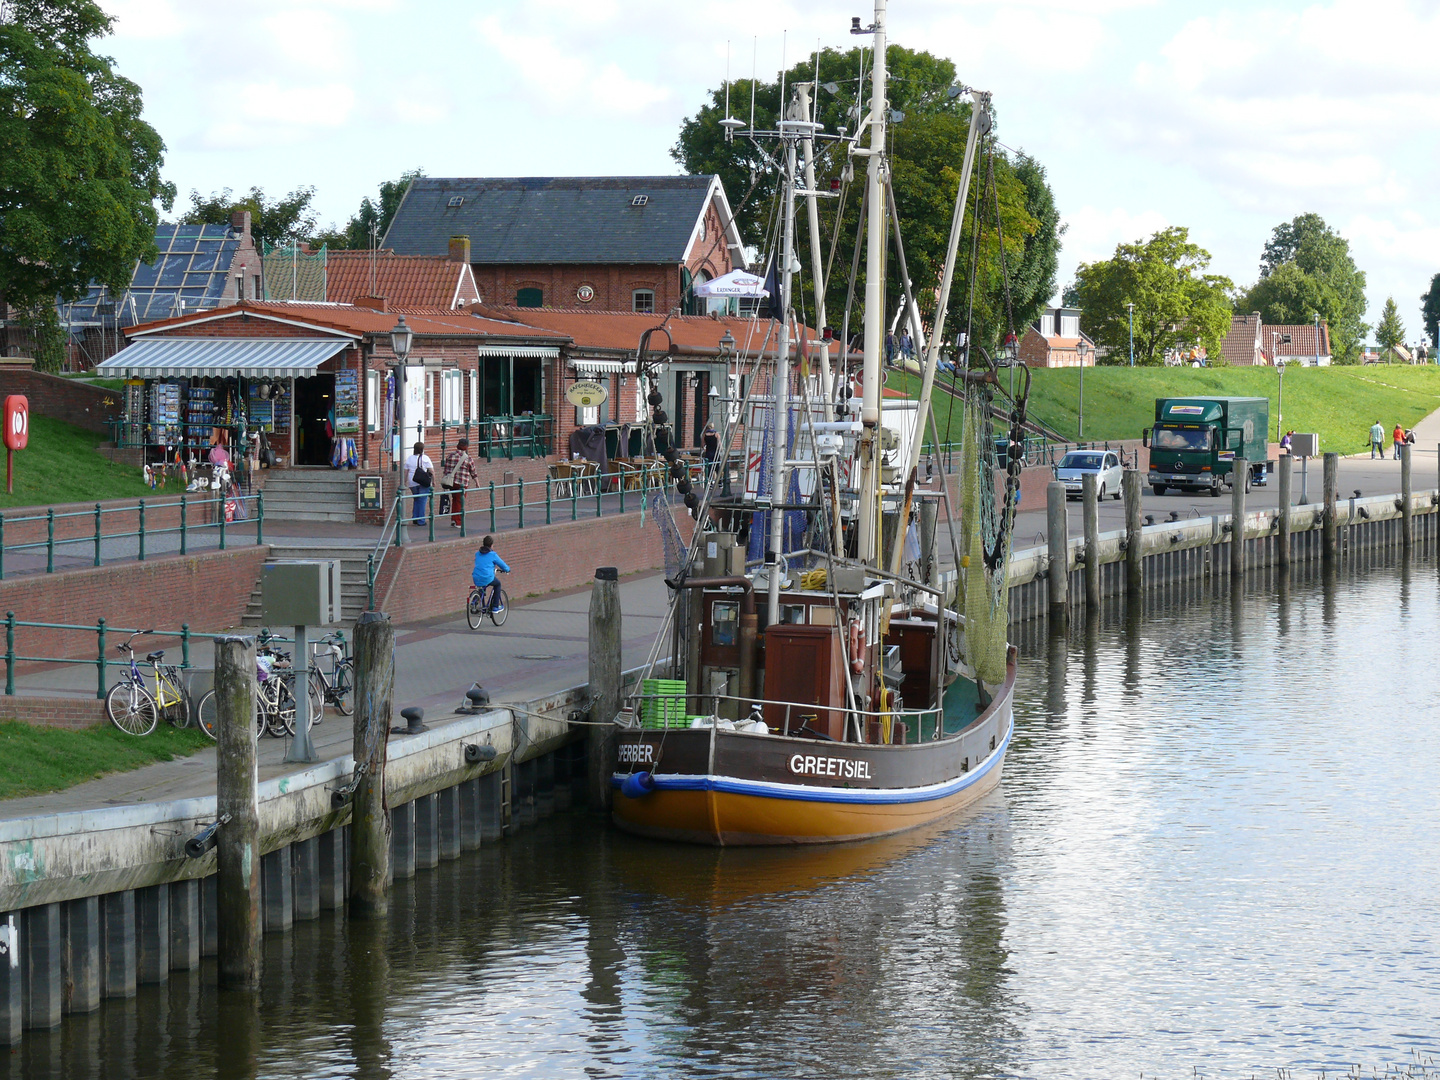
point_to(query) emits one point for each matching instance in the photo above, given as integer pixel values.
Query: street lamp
(402, 338)
(1131, 308)
(1082, 349)
(1276, 339)
(1317, 339)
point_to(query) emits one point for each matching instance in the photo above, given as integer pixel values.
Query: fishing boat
(828, 683)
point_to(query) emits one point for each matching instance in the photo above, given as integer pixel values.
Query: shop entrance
(314, 419)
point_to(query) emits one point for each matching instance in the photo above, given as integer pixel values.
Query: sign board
(17, 422)
(1305, 445)
(302, 592)
(369, 493)
(586, 394)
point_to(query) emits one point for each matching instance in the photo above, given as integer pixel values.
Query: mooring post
(1287, 470)
(1329, 537)
(1238, 476)
(1057, 536)
(369, 822)
(604, 684)
(238, 841)
(1134, 564)
(1407, 522)
(1090, 494)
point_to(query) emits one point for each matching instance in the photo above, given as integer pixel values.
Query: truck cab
(1195, 442)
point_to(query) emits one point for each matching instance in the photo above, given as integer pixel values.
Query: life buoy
(857, 646)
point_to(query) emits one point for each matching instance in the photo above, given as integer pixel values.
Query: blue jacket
(485, 564)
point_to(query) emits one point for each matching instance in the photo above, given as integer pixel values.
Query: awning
(527, 352)
(159, 357)
(735, 283)
(602, 367)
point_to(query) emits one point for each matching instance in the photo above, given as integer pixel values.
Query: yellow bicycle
(135, 706)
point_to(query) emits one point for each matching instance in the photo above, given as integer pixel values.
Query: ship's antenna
(754, 55)
(727, 79)
(784, 34)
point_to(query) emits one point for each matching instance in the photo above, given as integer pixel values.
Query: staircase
(310, 495)
(354, 591)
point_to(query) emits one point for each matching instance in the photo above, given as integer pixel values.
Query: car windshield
(1168, 438)
(1080, 461)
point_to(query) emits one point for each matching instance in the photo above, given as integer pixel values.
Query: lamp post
(402, 338)
(1081, 349)
(1131, 308)
(1317, 339)
(1280, 402)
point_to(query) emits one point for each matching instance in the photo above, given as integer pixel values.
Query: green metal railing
(140, 533)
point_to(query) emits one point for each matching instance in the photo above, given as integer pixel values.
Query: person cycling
(483, 575)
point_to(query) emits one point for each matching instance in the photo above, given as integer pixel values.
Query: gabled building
(628, 243)
(386, 280)
(1053, 340)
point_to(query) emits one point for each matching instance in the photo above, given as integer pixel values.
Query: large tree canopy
(1176, 302)
(79, 168)
(373, 214)
(926, 148)
(1306, 268)
(1431, 310)
(287, 220)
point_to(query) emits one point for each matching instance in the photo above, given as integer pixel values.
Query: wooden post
(1090, 494)
(1287, 472)
(1057, 534)
(238, 840)
(1330, 536)
(1238, 476)
(604, 684)
(369, 822)
(1407, 512)
(1134, 567)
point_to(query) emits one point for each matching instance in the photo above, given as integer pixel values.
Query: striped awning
(602, 367)
(542, 352)
(161, 357)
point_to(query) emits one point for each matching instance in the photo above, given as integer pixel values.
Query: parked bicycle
(135, 706)
(332, 673)
(274, 696)
(476, 608)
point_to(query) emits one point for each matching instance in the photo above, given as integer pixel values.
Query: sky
(1144, 114)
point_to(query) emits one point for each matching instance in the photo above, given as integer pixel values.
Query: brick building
(386, 280)
(1053, 340)
(1251, 340)
(638, 243)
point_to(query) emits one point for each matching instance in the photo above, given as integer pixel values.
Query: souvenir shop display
(347, 401)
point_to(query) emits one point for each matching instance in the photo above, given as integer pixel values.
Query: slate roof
(566, 219)
(404, 280)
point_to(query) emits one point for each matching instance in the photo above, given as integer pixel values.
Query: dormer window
(456, 200)
(639, 200)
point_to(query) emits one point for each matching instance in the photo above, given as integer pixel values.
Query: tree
(79, 169)
(1322, 277)
(1431, 311)
(1176, 302)
(375, 214)
(288, 220)
(926, 147)
(1391, 331)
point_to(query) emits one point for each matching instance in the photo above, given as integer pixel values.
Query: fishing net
(986, 517)
(293, 273)
(669, 532)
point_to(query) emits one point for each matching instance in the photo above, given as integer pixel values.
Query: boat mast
(780, 414)
(874, 302)
(817, 274)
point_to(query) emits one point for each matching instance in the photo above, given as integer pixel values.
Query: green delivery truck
(1195, 442)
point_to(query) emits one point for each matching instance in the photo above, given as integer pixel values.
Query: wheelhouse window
(643, 300)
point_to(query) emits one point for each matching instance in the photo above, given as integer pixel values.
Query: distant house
(1053, 340)
(620, 243)
(1241, 345)
(386, 280)
(1251, 340)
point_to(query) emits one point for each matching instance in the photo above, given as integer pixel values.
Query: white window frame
(372, 401)
(429, 399)
(452, 398)
(635, 299)
(475, 397)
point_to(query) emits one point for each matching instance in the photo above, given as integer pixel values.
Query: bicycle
(476, 608)
(136, 708)
(274, 697)
(334, 686)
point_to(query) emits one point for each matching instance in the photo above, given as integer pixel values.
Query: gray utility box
(1304, 445)
(300, 592)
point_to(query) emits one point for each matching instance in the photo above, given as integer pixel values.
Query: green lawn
(36, 760)
(61, 465)
(1339, 403)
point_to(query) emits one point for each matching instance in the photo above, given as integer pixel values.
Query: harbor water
(1213, 852)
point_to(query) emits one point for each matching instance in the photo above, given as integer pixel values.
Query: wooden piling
(1057, 535)
(1090, 495)
(238, 840)
(1330, 534)
(1407, 510)
(1287, 471)
(1238, 476)
(369, 821)
(1134, 565)
(604, 684)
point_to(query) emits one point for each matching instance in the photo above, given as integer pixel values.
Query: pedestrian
(420, 478)
(1285, 442)
(1377, 441)
(711, 440)
(907, 346)
(1397, 438)
(889, 350)
(457, 475)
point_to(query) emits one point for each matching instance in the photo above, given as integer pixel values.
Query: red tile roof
(619, 331)
(348, 319)
(1302, 339)
(1238, 345)
(404, 280)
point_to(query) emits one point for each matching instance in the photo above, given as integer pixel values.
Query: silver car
(1104, 463)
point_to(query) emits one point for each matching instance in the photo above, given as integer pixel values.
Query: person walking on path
(457, 474)
(483, 574)
(420, 478)
(1377, 441)
(1398, 438)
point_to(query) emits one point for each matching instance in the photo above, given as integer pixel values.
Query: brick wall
(614, 285)
(74, 402)
(71, 712)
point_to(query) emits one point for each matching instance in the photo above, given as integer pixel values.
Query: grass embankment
(37, 760)
(61, 465)
(1339, 403)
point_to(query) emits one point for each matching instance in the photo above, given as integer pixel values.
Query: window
(587, 415)
(372, 401)
(456, 200)
(640, 200)
(429, 399)
(452, 397)
(724, 621)
(530, 298)
(642, 300)
(475, 397)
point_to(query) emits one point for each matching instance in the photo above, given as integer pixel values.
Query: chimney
(240, 222)
(460, 249)
(374, 303)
